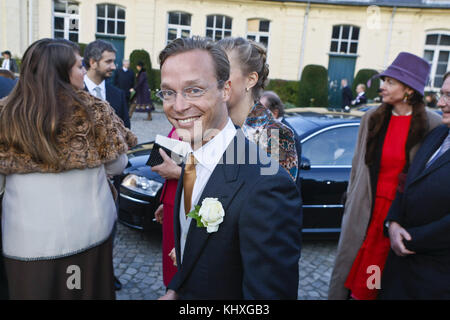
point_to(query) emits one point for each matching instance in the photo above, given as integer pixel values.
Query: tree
(313, 87)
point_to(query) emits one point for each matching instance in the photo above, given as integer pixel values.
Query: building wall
(146, 28)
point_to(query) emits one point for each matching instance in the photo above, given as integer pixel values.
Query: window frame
(258, 34)
(68, 18)
(214, 28)
(326, 129)
(436, 48)
(349, 40)
(178, 27)
(106, 19)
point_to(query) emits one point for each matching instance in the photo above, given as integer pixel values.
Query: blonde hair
(252, 57)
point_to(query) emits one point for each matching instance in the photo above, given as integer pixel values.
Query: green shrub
(82, 47)
(142, 55)
(313, 87)
(361, 77)
(156, 79)
(286, 90)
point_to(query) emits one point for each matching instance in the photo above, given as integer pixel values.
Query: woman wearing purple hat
(388, 139)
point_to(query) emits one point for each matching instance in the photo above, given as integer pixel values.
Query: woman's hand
(170, 295)
(159, 214)
(396, 234)
(173, 256)
(168, 169)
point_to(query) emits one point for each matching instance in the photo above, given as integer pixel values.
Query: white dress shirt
(208, 156)
(5, 64)
(91, 86)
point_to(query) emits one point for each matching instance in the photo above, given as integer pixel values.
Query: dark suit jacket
(360, 100)
(124, 80)
(423, 209)
(347, 96)
(6, 85)
(117, 100)
(255, 252)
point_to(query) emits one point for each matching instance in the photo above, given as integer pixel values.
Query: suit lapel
(223, 184)
(419, 170)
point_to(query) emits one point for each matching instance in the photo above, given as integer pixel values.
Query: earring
(246, 89)
(406, 97)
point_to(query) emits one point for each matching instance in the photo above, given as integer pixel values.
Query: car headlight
(142, 185)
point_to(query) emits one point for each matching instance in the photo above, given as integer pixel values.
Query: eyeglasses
(444, 95)
(189, 93)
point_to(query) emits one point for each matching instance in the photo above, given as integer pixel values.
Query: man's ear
(226, 90)
(92, 64)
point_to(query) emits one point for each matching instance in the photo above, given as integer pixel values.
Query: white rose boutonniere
(210, 214)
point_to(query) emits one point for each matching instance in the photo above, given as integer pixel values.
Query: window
(332, 147)
(179, 26)
(65, 20)
(110, 19)
(258, 30)
(344, 39)
(218, 27)
(437, 53)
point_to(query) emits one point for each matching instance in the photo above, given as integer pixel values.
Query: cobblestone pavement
(137, 254)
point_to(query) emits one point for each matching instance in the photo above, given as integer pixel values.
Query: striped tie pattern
(444, 147)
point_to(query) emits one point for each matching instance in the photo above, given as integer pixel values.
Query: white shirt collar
(124, 69)
(211, 153)
(396, 114)
(91, 85)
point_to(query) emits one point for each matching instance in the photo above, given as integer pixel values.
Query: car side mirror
(305, 164)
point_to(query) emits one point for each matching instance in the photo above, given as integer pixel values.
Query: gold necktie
(188, 181)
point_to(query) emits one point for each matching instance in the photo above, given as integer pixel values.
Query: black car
(328, 141)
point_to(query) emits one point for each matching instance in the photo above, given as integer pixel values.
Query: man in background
(347, 95)
(124, 79)
(99, 59)
(9, 63)
(361, 95)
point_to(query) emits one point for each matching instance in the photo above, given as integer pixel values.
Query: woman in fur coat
(58, 145)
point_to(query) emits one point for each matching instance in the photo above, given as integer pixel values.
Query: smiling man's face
(444, 102)
(196, 119)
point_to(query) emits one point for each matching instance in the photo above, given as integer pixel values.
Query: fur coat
(78, 147)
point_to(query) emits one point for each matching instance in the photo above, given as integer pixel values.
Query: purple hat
(409, 69)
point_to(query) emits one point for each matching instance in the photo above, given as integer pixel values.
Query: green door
(339, 67)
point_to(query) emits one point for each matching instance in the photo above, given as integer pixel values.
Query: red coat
(168, 242)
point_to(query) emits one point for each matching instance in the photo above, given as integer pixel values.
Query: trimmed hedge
(313, 87)
(142, 55)
(363, 76)
(82, 47)
(286, 90)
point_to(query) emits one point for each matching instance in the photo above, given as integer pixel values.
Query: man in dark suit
(418, 222)
(248, 243)
(9, 63)
(99, 60)
(347, 94)
(361, 95)
(124, 79)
